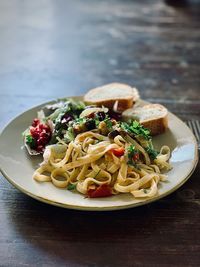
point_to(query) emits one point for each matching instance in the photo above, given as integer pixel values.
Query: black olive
(101, 115)
(67, 117)
(113, 134)
(90, 124)
(64, 125)
(115, 115)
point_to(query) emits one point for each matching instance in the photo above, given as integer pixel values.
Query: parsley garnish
(71, 187)
(80, 120)
(132, 151)
(30, 141)
(152, 153)
(108, 123)
(136, 128)
(97, 121)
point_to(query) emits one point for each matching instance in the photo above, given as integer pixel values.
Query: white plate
(17, 166)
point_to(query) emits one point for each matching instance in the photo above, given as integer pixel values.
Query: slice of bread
(107, 95)
(152, 116)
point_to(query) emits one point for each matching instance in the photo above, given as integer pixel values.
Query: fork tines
(195, 127)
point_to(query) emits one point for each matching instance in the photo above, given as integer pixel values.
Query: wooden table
(51, 49)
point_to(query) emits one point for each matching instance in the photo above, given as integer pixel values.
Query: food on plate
(122, 95)
(151, 116)
(37, 136)
(52, 124)
(91, 150)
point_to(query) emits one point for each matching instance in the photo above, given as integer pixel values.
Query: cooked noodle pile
(87, 163)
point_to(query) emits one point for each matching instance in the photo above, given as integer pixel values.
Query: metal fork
(194, 125)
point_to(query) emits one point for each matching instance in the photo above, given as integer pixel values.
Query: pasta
(91, 150)
(87, 164)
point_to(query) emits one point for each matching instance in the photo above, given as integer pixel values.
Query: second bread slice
(152, 116)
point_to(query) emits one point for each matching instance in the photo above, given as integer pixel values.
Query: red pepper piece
(118, 152)
(103, 190)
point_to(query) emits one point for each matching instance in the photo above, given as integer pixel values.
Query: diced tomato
(136, 157)
(34, 132)
(41, 133)
(43, 140)
(44, 135)
(118, 152)
(35, 122)
(41, 126)
(103, 190)
(46, 128)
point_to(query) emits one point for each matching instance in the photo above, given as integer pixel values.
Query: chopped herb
(108, 123)
(136, 128)
(152, 153)
(133, 156)
(97, 121)
(145, 191)
(71, 187)
(30, 141)
(131, 150)
(80, 120)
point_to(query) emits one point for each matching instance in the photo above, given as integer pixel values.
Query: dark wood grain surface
(50, 49)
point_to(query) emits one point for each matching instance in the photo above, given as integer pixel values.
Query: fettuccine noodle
(87, 163)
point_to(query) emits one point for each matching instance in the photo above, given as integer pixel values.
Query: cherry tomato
(103, 190)
(118, 152)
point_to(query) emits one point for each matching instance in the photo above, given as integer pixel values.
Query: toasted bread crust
(156, 126)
